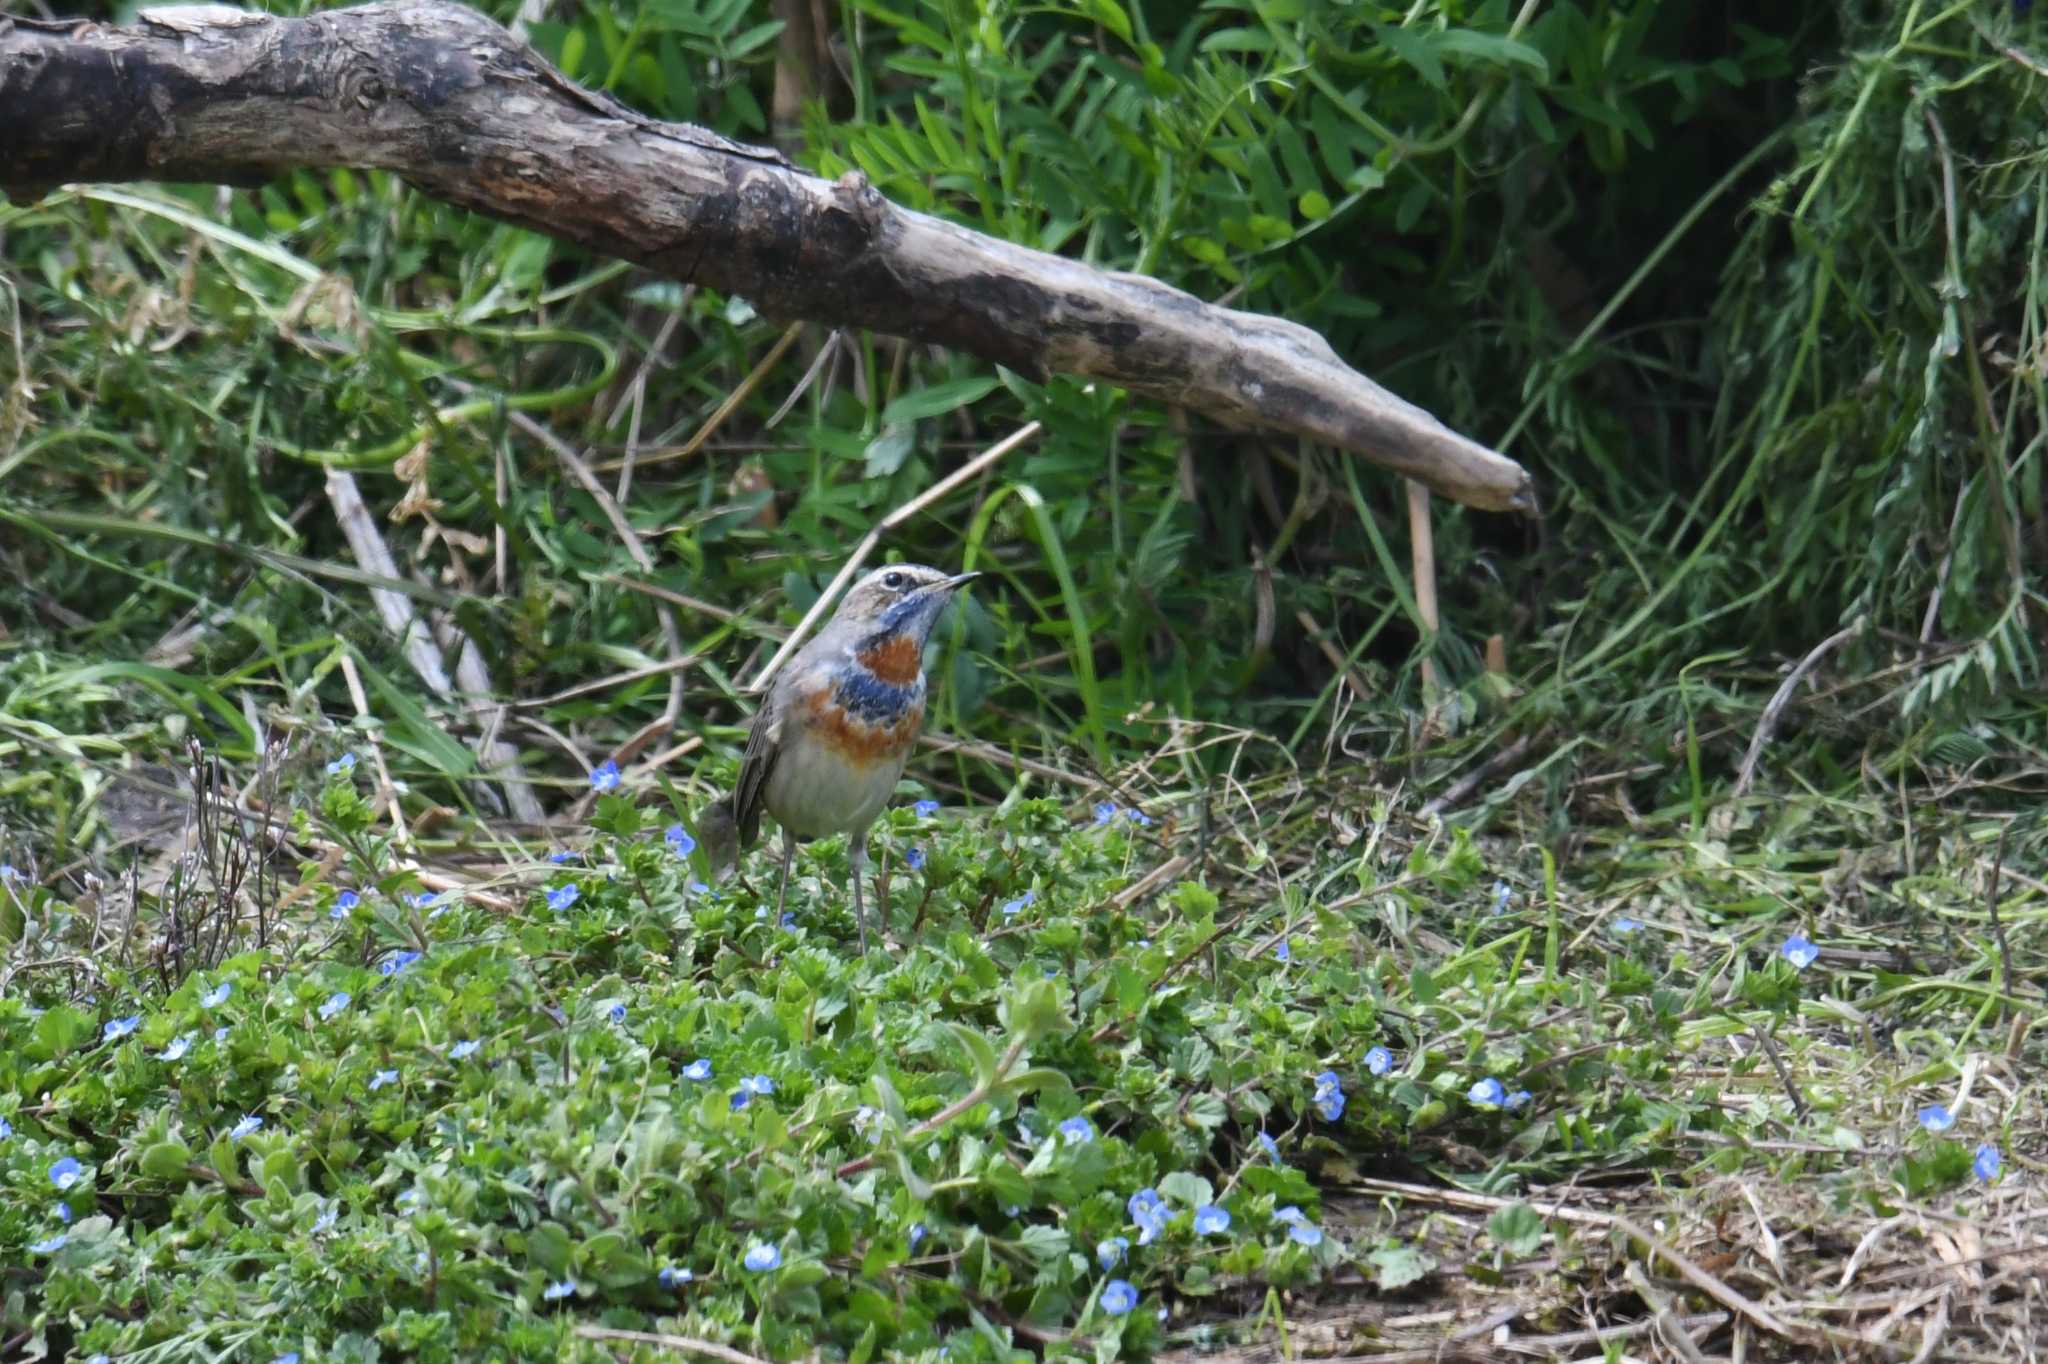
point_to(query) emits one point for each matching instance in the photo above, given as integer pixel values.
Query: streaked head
(902, 599)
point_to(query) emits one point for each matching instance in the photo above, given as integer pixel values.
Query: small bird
(837, 725)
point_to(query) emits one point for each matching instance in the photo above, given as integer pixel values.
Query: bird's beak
(960, 580)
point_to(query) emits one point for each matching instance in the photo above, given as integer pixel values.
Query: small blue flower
(1799, 951)
(789, 918)
(1986, 1165)
(561, 897)
(1139, 818)
(347, 901)
(762, 1257)
(220, 1034)
(1625, 925)
(617, 1013)
(606, 777)
(1501, 896)
(1329, 1096)
(1936, 1118)
(407, 1201)
(288, 1357)
(750, 1087)
(1379, 1060)
(560, 856)
(396, 963)
(1488, 1093)
(1272, 1147)
(64, 1173)
(555, 1292)
(119, 1028)
(10, 872)
(1109, 1254)
(217, 996)
(1518, 1099)
(1118, 1297)
(177, 1049)
(63, 1212)
(697, 888)
(1284, 952)
(1211, 1220)
(1299, 1229)
(679, 840)
(342, 766)
(914, 859)
(1105, 812)
(383, 1078)
(326, 1220)
(6, 1129)
(1076, 1130)
(673, 1278)
(51, 1245)
(1148, 1213)
(336, 1002)
(464, 1049)
(925, 809)
(246, 1127)
(699, 1069)
(1011, 907)
(917, 1233)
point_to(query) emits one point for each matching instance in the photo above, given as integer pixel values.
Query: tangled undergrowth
(528, 1104)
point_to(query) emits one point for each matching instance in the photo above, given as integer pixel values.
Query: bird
(831, 737)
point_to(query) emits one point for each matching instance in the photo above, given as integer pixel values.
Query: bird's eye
(894, 581)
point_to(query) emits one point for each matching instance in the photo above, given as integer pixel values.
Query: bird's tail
(718, 836)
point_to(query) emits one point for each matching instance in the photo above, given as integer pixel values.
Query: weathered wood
(448, 100)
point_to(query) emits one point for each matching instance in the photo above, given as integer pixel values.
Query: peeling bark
(446, 99)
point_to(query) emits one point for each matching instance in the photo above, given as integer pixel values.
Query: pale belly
(816, 790)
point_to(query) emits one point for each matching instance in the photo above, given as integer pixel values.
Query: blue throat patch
(869, 699)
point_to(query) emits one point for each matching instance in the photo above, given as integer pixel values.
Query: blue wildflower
(1986, 1165)
(396, 963)
(1211, 1220)
(343, 903)
(10, 872)
(1299, 1229)
(915, 859)
(925, 809)
(1284, 952)
(119, 1028)
(751, 1086)
(1011, 907)
(246, 1127)
(1076, 1130)
(288, 1357)
(1488, 1093)
(1272, 1147)
(6, 1129)
(697, 888)
(1501, 896)
(917, 1233)
(1936, 1118)
(177, 1049)
(1329, 1096)
(679, 840)
(699, 1069)
(383, 1078)
(617, 1013)
(464, 1049)
(561, 855)
(673, 1278)
(1625, 925)
(64, 1173)
(1109, 1254)
(407, 1201)
(336, 1002)
(63, 1212)
(1105, 812)
(326, 1220)
(1379, 1061)
(1139, 818)
(1148, 1213)
(606, 777)
(555, 1292)
(1799, 951)
(342, 766)
(1118, 1297)
(220, 1034)
(762, 1257)
(1518, 1099)
(51, 1245)
(561, 897)
(217, 996)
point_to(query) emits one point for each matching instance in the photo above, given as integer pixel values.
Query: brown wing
(750, 792)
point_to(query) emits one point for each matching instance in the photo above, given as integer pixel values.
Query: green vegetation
(1758, 297)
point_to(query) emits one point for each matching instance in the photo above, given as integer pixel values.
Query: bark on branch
(445, 98)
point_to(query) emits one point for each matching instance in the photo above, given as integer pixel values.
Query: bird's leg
(788, 856)
(857, 861)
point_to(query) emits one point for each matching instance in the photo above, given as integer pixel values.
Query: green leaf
(937, 400)
(1398, 1265)
(981, 1054)
(1517, 1228)
(1418, 49)
(1185, 1188)
(167, 1160)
